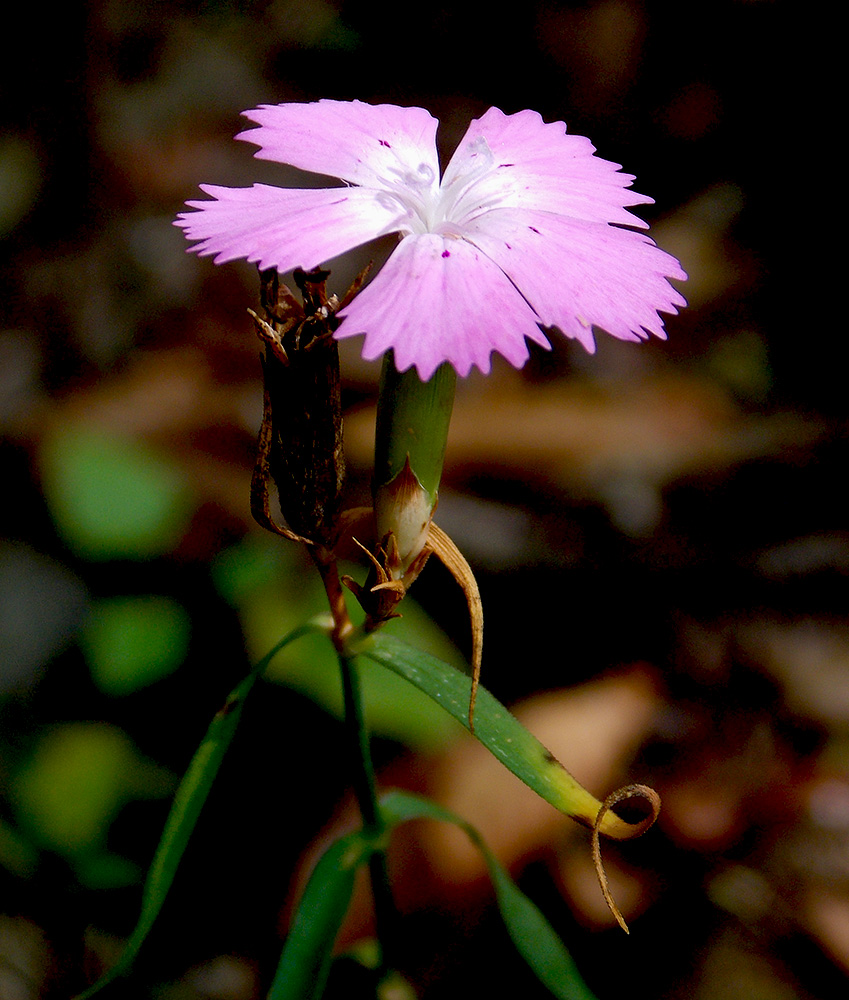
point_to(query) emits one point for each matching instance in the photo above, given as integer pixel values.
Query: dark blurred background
(659, 530)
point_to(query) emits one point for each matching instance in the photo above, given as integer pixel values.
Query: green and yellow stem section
(412, 429)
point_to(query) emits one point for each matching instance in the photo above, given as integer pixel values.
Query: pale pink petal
(440, 299)
(579, 274)
(371, 145)
(287, 228)
(522, 232)
(537, 166)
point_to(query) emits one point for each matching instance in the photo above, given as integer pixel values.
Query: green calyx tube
(412, 429)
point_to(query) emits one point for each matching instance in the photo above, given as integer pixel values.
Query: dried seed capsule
(303, 402)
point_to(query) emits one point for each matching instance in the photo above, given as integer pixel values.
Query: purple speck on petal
(446, 253)
(383, 142)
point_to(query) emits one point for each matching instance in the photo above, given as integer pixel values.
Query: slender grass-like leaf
(189, 799)
(305, 963)
(531, 933)
(499, 731)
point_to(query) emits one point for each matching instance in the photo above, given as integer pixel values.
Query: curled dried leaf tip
(455, 562)
(388, 584)
(624, 794)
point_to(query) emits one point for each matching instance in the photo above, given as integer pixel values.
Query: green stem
(365, 789)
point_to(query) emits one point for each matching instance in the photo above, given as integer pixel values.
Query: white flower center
(430, 207)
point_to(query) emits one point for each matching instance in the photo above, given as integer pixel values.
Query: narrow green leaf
(185, 810)
(305, 963)
(499, 731)
(533, 936)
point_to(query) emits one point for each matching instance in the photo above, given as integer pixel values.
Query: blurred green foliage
(274, 589)
(112, 496)
(130, 642)
(70, 790)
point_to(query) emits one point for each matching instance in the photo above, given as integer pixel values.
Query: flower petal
(287, 228)
(579, 274)
(440, 299)
(373, 145)
(537, 166)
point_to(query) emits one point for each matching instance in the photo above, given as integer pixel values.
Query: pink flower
(523, 231)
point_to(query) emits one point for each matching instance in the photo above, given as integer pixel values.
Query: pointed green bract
(412, 429)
